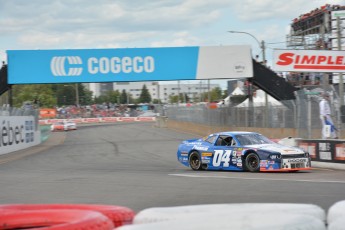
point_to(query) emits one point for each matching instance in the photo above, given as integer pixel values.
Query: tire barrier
(54, 220)
(100, 120)
(151, 215)
(236, 221)
(336, 216)
(119, 215)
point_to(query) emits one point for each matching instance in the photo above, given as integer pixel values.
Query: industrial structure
(319, 29)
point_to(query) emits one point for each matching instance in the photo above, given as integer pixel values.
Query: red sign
(309, 60)
(47, 113)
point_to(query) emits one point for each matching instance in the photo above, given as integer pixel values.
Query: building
(316, 30)
(158, 90)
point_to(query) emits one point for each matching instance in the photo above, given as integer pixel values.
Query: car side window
(224, 140)
(233, 142)
(211, 139)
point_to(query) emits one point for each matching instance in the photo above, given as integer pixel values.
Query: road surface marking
(254, 178)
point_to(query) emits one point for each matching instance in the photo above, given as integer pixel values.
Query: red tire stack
(64, 216)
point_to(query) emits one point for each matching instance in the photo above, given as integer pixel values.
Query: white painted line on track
(254, 178)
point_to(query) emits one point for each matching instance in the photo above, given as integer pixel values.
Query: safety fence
(301, 114)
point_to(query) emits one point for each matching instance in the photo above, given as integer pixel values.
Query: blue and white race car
(241, 151)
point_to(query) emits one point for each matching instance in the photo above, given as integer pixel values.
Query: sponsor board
(129, 65)
(99, 120)
(309, 60)
(18, 132)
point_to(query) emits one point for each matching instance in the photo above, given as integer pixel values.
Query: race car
(63, 126)
(241, 151)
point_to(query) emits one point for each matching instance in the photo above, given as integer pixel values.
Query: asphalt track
(134, 165)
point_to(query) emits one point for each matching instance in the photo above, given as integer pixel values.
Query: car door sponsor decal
(221, 156)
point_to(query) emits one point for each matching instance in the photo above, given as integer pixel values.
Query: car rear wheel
(252, 162)
(194, 161)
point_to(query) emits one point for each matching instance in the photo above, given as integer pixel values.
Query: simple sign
(129, 65)
(309, 60)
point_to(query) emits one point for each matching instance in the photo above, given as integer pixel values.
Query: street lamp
(262, 47)
(261, 44)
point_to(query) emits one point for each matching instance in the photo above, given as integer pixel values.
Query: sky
(90, 24)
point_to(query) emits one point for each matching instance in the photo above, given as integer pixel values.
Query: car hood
(284, 150)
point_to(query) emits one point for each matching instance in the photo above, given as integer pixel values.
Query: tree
(109, 96)
(66, 94)
(173, 98)
(145, 96)
(40, 94)
(157, 101)
(123, 97)
(216, 94)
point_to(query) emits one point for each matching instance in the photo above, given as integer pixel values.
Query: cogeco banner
(129, 65)
(309, 60)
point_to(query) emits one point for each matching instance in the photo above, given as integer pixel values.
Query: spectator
(326, 119)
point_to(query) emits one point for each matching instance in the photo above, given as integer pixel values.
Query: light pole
(263, 48)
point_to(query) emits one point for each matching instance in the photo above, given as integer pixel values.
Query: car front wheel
(252, 162)
(194, 161)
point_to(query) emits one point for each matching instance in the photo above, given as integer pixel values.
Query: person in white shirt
(326, 119)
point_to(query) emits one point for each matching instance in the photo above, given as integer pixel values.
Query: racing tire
(54, 220)
(252, 162)
(119, 215)
(195, 161)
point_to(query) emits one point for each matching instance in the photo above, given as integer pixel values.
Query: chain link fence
(301, 114)
(7, 110)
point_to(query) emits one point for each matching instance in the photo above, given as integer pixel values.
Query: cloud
(81, 23)
(140, 23)
(252, 10)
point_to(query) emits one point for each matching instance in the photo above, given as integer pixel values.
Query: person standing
(326, 119)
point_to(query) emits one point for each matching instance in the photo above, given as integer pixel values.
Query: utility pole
(341, 82)
(325, 78)
(266, 96)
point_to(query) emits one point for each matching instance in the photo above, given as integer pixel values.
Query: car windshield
(252, 139)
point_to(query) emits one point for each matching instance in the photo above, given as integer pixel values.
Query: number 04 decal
(221, 156)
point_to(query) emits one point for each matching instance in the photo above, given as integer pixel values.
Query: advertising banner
(309, 61)
(47, 113)
(324, 150)
(129, 65)
(18, 132)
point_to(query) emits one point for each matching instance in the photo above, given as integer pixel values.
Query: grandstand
(315, 30)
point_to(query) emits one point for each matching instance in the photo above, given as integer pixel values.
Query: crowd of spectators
(303, 79)
(314, 17)
(98, 110)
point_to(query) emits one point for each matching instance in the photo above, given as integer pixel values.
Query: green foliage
(216, 94)
(156, 101)
(183, 98)
(173, 98)
(145, 96)
(43, 95)
(109, 96)
(123, 97)
(50, 95)
(67, 94)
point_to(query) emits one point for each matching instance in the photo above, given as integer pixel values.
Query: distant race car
(241, 151)
(63, 126)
